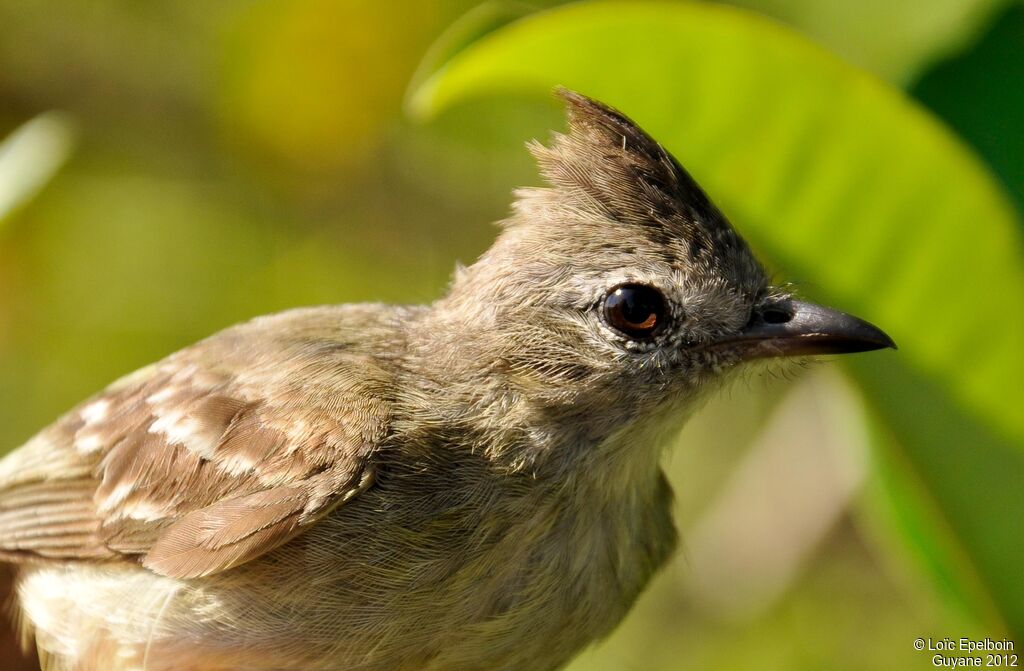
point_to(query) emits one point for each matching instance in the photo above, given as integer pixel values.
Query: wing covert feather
(213, 457)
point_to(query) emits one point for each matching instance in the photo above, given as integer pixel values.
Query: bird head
(619, 290)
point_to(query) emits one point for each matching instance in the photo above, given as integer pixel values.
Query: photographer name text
(961, 652)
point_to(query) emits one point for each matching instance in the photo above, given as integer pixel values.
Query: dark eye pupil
(635, 310)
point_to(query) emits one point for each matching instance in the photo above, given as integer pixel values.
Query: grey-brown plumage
(468, 485)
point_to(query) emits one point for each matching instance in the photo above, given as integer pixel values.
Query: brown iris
(635, 310)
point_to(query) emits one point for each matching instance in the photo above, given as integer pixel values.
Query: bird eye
(635, 310)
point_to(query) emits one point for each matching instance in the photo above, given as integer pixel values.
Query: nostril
(775, 316)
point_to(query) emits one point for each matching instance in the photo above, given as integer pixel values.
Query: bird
(473, 484)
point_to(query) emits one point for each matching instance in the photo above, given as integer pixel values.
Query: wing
(210, 458)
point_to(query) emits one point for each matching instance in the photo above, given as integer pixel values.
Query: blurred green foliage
(238, 158)
(979, 93)
(895, 39)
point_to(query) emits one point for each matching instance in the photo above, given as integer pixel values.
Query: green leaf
(894, 39)
(30, 157)
(470, 27)
(849, 188)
